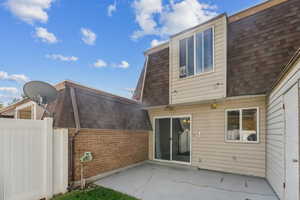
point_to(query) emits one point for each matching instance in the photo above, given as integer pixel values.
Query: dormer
(198, 62)
(224, 57)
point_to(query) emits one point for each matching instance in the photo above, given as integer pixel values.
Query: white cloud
(164, 20)
(45, 36)
(30, 10)
(62, 58)
(7, 99)
(100, 63)
(124, 64)
(156, 42)
(11, 90)
(185, 14)
(145, 11)
(13, 77)
(111, 8)
(88, 36)
(19, 78)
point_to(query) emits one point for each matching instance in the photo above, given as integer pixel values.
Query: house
(223, 96)
(23, 109)
(114, 129)
(283, 131)
(211, 99)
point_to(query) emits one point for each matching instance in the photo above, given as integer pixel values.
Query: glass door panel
(162, 139)
(181, 139)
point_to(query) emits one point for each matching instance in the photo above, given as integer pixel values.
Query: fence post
(60, 161)
(49, 157)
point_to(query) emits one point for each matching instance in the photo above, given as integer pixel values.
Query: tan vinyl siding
(210, 147)
(201, 86)
(275, 170)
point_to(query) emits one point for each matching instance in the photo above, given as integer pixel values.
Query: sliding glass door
(162, 139)
(172, 139)
(181, 139)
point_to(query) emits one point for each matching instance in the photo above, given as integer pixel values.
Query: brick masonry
(111, 149)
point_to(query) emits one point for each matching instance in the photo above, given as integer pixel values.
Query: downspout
(72, 139)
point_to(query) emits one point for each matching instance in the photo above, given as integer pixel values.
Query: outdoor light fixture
(213, 106)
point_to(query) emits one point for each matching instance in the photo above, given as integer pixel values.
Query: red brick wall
(111, 149)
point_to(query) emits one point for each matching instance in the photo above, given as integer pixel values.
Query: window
(187, 57)
(196, 54)
(242, 125)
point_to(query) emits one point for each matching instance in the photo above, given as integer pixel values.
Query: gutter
(72, 139)
(285, 70)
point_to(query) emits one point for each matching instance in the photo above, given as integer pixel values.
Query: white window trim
(33, 105)
(213, 54)
(241, 125)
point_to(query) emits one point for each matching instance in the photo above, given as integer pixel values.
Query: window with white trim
(196, 54)
(242, 125)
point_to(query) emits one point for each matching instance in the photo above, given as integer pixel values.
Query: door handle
(295, 160)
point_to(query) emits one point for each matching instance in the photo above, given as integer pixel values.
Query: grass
(95, 193)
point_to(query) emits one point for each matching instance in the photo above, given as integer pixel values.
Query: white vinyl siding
(209, 149)
(205, 84)
(275, 164)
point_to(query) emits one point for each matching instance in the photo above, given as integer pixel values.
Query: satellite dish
(40, 92)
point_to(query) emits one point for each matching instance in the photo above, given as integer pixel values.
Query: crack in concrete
(246, 183)
(222, 179)
(136, 191)
(219, 188)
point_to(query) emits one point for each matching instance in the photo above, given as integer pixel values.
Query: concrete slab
(151, 181)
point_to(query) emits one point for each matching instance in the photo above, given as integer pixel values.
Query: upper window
(242, 125)
(196, 54)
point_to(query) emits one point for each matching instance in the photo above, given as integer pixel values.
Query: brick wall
(111, 149)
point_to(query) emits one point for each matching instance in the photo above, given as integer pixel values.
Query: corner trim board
(75, 108)
(144, 78)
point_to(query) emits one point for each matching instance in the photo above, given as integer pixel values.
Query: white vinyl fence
(33, 159)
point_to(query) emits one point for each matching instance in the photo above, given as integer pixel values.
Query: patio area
(152, 181)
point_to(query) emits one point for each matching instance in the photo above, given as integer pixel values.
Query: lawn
(95, 193)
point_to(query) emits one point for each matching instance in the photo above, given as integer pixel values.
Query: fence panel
(26, 159)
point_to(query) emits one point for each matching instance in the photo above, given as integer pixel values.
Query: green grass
(96, 193)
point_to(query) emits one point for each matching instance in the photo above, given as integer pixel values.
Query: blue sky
(96, 43)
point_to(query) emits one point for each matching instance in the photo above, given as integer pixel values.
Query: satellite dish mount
(41, 93)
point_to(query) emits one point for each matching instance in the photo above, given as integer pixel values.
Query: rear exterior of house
(114, 129)
(206, 93)
(223, 96)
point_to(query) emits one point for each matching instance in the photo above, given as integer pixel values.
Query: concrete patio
(151, 181)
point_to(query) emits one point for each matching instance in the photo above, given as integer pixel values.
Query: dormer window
(196, 54)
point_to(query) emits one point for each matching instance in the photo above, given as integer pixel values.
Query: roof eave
(286, 69)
